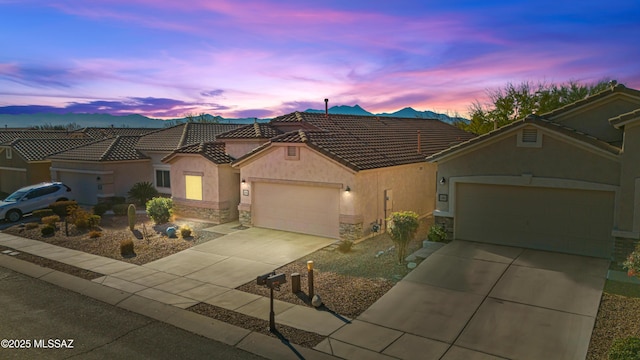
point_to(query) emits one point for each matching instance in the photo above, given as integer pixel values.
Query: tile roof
(368, 142)
(40, 149)
(535, 120)
(252, 131)
(107, 132)
(213, 151)
(622, 119)
(7, 135)
(119, 148)
(177, 136)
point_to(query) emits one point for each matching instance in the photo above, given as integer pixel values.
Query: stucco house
(566, 181)
(338, 175)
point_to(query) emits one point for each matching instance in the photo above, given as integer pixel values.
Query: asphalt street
(39, 320)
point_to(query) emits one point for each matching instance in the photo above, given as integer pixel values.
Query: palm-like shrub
(142, 192)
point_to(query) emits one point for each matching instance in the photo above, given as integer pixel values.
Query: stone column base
(447, 223)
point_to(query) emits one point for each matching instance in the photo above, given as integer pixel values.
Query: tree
(514, 102)
(402, 227)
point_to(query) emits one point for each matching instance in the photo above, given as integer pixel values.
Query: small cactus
(131, 213)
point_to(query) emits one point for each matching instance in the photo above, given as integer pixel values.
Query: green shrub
(345, 245)
(30, 226)
(118, 200)
(142, 192)
(402, 227)
(101, 208)
(50, 220)
(126, 248)
(62, 208)
(437, 233)
(94, 234)
(185, 231)
(131, 216)
(79, 217)
(160, 209)
(48, 230)
(625, 349)
(42, 213)
(94, 220)
(120, 209)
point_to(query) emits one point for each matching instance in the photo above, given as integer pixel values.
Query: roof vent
(326, 107)
(529, 135)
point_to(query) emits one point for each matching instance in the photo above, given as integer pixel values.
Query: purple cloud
(212, 93)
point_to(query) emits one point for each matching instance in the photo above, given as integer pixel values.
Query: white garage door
(83, 186)
(564, 220)
(304, 209)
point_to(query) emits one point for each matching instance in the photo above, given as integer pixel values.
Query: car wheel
(14, 215)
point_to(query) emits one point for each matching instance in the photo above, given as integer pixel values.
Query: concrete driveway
(480, 301)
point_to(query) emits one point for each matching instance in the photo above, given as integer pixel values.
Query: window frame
(187, 187)
(164, 181)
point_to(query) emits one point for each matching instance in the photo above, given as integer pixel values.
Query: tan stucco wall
(11, 180)
(38, 172)
(238, 148)
(630, 180)
(220, 183)
(593, 119)
(413, 188)
(555, 159)
(311, 167)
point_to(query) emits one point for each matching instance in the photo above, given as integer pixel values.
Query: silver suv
(34, 197)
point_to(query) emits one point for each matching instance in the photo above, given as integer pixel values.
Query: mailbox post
(272, 281)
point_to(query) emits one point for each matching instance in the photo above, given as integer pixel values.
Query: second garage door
(564, 220)
(83, 186)
(304, 209)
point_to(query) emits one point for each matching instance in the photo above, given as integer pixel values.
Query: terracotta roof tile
(251, 131)
(7, 136)
(177, 136)
(40, 149)
(619, 88)
(119, 148)
(213, 151)
(107, 132)
(368, 142)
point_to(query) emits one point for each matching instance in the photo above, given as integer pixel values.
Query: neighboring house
(339, 175)
(101, 169)
(566, 181)
(158, 144)
(24, 161)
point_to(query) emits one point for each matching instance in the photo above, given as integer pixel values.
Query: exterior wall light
(347, 189)
(443, 181)
(243, 181)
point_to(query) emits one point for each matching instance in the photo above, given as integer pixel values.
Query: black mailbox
(274, 281)
(262, 279)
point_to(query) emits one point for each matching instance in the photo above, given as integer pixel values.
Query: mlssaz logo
(53, 343)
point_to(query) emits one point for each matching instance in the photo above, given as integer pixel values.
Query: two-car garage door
(564, 220)
(305, 209)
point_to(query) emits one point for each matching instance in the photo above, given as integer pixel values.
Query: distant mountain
(99, 120)
(407, 112)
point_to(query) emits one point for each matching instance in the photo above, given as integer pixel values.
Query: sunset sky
(262, 58)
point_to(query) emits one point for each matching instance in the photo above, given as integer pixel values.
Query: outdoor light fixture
(243, 181)
(347, 189)
(310, 265)
(443, 181)
(98, 178)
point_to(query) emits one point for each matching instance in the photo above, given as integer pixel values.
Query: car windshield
(15, 196)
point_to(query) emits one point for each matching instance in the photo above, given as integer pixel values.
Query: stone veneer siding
(245, 217)
(447, 222)
(351, 232)
(217, 216)
(623, 247)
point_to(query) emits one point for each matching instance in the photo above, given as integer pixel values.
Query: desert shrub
(402, 228)
(118, 200)
(30, 226)
(62, 208)
(95, 234)
(94, 220)
(42, 213)
(625, 349)
(185, 231)
(120, 209)
(437, 233)
(101, 208)
(79, 217)
(142, 192)
(345, 245)
(160, 209)
(48, 230)
(126, 248)
(50, 220)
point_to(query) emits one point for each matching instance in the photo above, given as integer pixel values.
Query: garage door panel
(83, 186)
(566, 220)
(304, 209)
